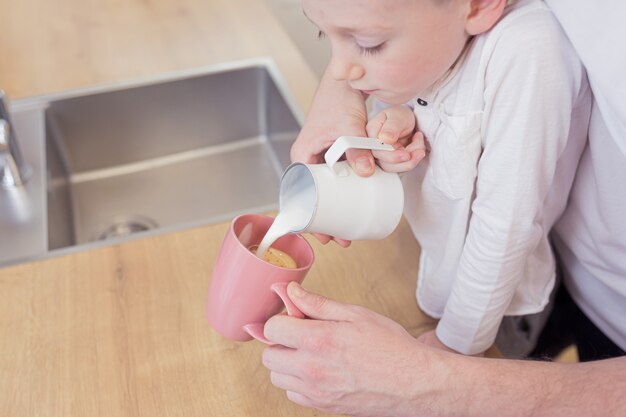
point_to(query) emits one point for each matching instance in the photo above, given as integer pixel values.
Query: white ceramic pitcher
(332, 199)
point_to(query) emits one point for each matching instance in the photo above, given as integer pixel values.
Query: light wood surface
(50, 46)
(120, 331)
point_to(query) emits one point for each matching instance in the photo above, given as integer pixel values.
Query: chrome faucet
(13, 170)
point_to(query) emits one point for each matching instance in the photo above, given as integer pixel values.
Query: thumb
(361, 161)
(317, 306)
(391, 130)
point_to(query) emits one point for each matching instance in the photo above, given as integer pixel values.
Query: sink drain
(125, 226)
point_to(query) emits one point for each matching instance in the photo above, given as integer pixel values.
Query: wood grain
(121, 331)
(50, 46)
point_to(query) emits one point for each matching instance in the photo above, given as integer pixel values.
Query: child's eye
(371, 49)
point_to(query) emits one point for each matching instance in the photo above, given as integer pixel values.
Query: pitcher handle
(343, 143)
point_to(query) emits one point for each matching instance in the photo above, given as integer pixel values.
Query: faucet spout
(13, 169)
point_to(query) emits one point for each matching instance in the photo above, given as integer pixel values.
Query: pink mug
(245, 290)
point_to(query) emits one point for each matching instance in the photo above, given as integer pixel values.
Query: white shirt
(506, 129)
(591, 235)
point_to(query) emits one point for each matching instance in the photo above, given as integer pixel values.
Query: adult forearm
(494, 387)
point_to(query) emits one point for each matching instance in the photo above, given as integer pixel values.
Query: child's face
(391, 49)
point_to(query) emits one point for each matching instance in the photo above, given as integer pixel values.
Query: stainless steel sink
(161, 154)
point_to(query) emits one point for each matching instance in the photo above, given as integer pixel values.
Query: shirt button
(422, 102)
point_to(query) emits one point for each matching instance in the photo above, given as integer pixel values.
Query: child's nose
(344, 70)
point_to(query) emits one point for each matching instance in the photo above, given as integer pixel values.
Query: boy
(503, 103)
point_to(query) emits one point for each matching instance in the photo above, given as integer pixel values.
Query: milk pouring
(293, 215)
(332, 199)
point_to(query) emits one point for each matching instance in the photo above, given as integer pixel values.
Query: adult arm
(525, 388)
(347, 359)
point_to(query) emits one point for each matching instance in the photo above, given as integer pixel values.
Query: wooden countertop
(120, 331)
(50, 46)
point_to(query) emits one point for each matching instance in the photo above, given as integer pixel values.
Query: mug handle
(343, 143)
(280, 288)
(256, 329)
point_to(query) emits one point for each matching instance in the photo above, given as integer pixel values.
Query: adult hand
(346, 359)
(396, 126)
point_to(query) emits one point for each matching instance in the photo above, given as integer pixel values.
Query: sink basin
(157, 155)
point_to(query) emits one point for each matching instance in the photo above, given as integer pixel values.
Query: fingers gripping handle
(280, 288)
(343, 143)
(256, 330)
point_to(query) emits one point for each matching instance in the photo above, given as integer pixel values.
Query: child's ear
(483, 15)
